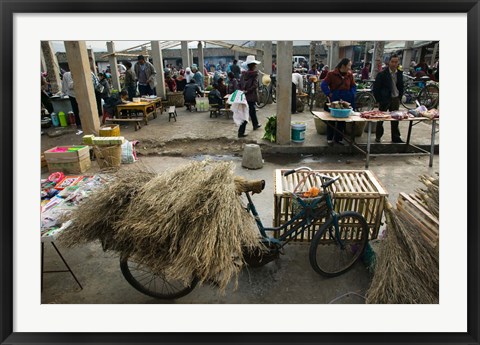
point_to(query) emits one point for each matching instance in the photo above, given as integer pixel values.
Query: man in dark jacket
(190, 93)
(388, 91)
(250, 86)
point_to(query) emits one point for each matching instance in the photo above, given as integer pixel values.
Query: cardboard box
(72, 166)
(67, 156)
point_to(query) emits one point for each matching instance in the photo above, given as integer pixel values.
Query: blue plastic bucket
(298, 132)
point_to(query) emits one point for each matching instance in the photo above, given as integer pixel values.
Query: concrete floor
(289, 279)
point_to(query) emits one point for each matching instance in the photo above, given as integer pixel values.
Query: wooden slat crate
(356, 190)
(426, 223)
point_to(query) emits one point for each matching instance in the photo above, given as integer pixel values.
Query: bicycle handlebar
(289, 172)
(330, 179)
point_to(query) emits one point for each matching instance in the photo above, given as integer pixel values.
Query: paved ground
(197, 133)
(290, 279)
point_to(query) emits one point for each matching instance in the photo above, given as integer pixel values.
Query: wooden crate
(426, 223)
(356, 190)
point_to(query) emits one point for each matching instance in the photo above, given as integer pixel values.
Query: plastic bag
(129, 155)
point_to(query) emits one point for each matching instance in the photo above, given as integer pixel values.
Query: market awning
(400, 45)
(171, 44)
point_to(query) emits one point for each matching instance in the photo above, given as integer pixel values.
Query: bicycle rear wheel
(273, 93)
(262, 96)
(153, 284)
(364, 101)
(429, 96)
(336, 254)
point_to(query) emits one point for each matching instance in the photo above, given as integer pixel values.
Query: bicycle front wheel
(429, 96)
(336, 253)
(262, 96)
(153, 284)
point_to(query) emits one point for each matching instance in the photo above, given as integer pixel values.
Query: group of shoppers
(339, 84)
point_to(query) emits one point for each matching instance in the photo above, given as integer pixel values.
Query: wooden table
(326, 117)
(146, 107)
(158, 103)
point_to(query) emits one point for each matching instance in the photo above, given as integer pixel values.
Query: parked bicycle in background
(420, 92)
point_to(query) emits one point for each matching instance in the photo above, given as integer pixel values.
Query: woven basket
(176, 99)
(108, 156)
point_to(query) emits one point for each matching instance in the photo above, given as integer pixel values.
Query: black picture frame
(10, 7)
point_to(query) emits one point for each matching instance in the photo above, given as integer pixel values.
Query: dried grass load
(189, 221)
(407, 270)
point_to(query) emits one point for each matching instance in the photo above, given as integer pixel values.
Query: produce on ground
(271, 129)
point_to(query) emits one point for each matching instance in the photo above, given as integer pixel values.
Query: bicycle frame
(306, 220)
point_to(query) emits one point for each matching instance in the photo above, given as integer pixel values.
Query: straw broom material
(407, 267)
(430, 195)
(189, 222)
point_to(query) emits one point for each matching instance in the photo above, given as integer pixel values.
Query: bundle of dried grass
(94, 219)
(407, 270)
(189, 222)
(430, 195)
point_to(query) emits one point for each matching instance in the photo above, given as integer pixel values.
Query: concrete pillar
(112, 59)
(434, 54)
(191, 56)
(313, 46)
(158, 64)
(236, 55)
(378, 47)
(365, 58)
(43, 64)
(267, 57)
(284, 90)
(201, 60)
(407, 55)
(91, 58)
(334, 54)
(77, 57)
(259, 56)
(52, 66)
(185, 55)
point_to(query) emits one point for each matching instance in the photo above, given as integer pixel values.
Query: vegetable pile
(271, 129)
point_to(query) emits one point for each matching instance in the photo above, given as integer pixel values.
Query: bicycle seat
(425, 78)
(244, 186)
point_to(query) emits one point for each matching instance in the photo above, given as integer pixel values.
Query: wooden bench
(226, 111)
(172, 113)
(137, 121)
(427, 224)
(214, 110)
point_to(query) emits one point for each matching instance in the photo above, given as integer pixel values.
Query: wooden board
(427, 224)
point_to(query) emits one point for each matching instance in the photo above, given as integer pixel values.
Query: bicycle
(420, 92)
(265, 93)
(343, 237)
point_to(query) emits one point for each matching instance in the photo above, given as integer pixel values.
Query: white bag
(129, 155)
(239, 107)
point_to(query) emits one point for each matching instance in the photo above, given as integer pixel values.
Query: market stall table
(326, 117)
(146, 107)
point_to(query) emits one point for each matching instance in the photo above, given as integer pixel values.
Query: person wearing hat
(181, 81)
(198, 76)
(145, 73)
(250, 86)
